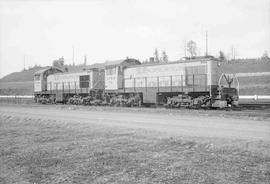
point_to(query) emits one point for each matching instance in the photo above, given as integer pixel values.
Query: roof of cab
(182, 61)
(48, 68)
(128, 61)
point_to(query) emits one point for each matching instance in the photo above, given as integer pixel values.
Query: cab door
(120, 77)
(37, 83)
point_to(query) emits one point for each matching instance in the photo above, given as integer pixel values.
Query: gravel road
(175, 125)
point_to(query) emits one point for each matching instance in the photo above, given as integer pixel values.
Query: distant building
(151, 60)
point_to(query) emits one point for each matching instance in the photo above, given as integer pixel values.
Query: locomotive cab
(40, 78)
(114, 74)
(37, 82)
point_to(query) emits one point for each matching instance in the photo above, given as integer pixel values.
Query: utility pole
(233, 53)
(206, 43)
(73, 56)
(185, 47)
(24, 63)
(85, 60)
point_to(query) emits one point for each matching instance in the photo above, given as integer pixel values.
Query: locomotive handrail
(160, 76)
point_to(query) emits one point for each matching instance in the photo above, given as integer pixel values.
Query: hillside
(246, 66)
(238, 66)
(28, 75)
(17, 88)
(21, 83)
(250, 84)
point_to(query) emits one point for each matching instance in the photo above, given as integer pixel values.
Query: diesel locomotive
(197, 83)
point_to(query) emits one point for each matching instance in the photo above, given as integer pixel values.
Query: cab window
(37, 77)
(84, 81)
(110, 71)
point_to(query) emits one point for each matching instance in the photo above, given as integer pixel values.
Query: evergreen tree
(164, 57)
(192, 48)
(222, 56)
(156, 56)
(60, 62)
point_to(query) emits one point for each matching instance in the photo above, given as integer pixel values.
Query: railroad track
(254, 106)
(255, 102)
(246, 102)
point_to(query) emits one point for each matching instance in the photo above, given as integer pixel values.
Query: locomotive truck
(197, 82)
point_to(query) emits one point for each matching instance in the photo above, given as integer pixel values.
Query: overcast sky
(114, 29)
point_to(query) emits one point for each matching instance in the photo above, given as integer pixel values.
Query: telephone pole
(85, 60)
(73, 56)
(185, 47)
(206, 43)
(24, 63)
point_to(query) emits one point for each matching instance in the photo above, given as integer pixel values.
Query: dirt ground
(55, 144)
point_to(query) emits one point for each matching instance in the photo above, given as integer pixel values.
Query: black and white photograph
(134, 91)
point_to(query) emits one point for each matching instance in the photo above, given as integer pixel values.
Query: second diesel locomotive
(193, 82)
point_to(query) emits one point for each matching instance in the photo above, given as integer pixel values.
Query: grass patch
(47, 151)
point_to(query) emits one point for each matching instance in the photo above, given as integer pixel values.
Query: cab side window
(110, 71)
(84, 81)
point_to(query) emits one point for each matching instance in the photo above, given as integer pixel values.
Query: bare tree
(265, 56)
(192, 48)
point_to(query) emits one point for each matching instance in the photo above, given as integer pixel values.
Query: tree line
(191, 51)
